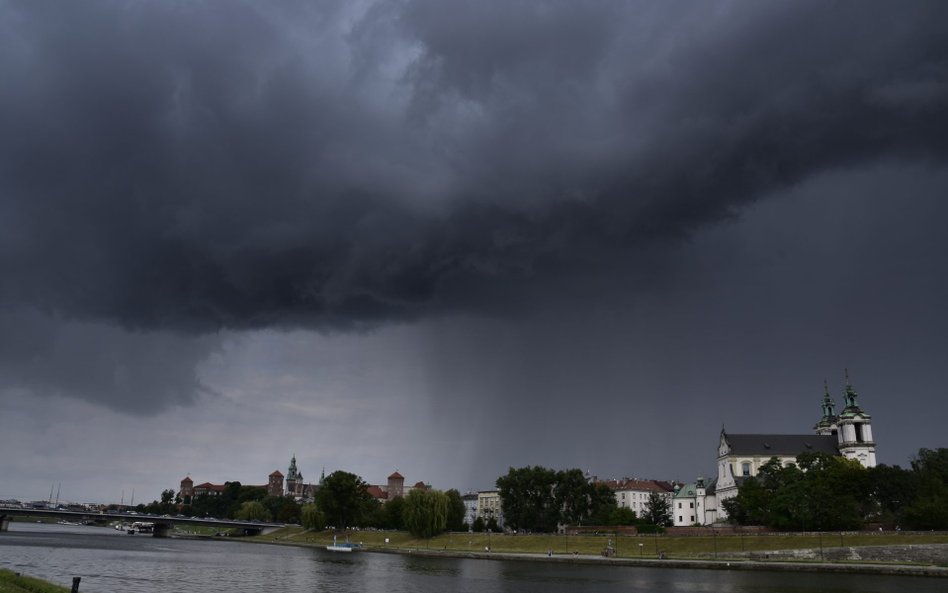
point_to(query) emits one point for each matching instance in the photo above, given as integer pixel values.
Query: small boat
(342, 547)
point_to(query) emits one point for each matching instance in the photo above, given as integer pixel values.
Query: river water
(110, 561)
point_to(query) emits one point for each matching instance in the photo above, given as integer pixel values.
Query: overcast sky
(449, 237)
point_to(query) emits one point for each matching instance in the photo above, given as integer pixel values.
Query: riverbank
(920, 554)
(14, 582)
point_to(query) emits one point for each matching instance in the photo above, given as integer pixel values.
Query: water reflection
(109, 561)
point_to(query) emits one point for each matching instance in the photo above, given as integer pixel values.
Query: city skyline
(452, 238)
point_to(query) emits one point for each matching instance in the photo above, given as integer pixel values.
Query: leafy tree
(571, 496)
(819, 492)
(929, 509)
(622, 516)
(527, 497)
(312, 518)
(892, 489)
(479, 525)
(456, 511)
(344, 499)
(602, 505)
(425, 513)
(492, 525)
(656, 510)
(253, 510)
(387, 515)
(289, 511)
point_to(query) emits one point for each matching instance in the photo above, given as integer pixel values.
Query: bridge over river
(162, 523)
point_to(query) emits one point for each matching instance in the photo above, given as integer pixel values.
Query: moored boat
(343, 547)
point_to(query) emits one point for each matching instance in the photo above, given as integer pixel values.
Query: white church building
(740, 456)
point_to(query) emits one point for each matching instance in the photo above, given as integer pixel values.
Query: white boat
(342, 547)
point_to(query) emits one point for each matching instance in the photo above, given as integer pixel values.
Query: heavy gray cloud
(204, 165)
(574, 234)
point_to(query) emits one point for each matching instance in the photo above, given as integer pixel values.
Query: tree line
(539, 499)
(342, 500)
(823, 492)
(534, 499)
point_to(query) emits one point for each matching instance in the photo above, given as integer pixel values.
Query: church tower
(854, 430)
(827, 424)
(292, 477)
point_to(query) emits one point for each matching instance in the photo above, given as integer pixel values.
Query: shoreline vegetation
(924, 554)
(14, 582)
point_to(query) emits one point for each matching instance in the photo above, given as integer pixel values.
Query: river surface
(110, 561)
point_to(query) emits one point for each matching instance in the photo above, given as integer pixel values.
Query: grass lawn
(10, 583)
(644, 546)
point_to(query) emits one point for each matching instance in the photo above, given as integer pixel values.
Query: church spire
(849, 394)
(829, 412)
(827, 424)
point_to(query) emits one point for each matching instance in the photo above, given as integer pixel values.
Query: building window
(679, 519)
(679, 505)
(692, 518)
(691, 505)
(745, 469)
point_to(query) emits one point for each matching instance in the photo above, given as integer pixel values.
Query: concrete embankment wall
(936, 554)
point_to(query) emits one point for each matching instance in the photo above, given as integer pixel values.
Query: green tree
(571, 496)
(289, 511)
(656, 510)
(425, 513)
(929, 507)
(602, 505)
(344, 499)
(818, 492)
(312, 518)
(456, 511)
(527, 498)
(387, 515)
(622, 516)
(253, 510)
(479, 525)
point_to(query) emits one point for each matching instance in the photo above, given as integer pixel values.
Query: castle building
(275, 484)
(186, 493)
(295, 486)
(396, 485)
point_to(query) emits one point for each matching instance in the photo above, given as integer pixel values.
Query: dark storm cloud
(199, 165)
(96, 363)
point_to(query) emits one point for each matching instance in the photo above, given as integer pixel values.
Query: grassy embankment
(11, 583)
(645, 546)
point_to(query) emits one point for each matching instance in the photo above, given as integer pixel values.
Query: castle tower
(275, 484)
(187, 490)
(292, 477)
(396, 485)
(827, 424)
(854, 430)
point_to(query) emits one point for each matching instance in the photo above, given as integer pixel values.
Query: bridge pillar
(161, 529)
(4, 522)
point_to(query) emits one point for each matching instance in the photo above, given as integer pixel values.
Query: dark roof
(781, 444)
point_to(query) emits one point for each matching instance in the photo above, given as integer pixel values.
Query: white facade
(695, 504)
(634, 494)
(488, 506)
(470, 507)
